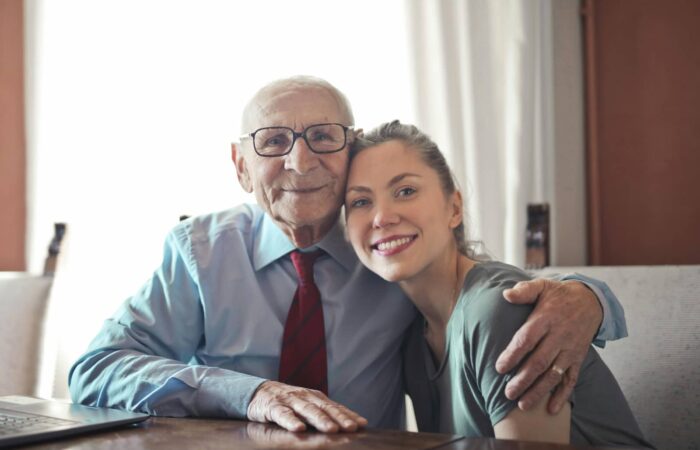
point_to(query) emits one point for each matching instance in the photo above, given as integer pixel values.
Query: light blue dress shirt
(205, 331)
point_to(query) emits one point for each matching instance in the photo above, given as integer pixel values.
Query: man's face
(302, 188)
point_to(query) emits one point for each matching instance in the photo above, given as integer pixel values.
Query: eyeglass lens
(321, 138)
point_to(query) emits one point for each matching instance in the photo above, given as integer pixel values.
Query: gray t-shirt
(465, 395)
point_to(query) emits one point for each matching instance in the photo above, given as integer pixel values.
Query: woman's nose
(385, 216)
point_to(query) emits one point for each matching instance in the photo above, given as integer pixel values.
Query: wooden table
(170, 433)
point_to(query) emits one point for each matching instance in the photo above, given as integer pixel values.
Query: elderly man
(264, 312)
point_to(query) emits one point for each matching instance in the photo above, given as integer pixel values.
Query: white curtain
(483, 84)
(131, 107)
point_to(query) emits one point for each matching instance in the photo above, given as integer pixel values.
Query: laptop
(25, 420)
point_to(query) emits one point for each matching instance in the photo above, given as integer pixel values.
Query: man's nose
(385, 216)
(301, 159)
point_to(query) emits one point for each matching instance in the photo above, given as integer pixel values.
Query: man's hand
(558, 333)
(293, 408)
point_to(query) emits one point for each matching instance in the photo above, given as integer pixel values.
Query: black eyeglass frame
(298, 135)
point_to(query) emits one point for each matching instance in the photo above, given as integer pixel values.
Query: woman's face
(398, 217)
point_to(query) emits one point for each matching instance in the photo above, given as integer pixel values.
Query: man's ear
(457, 209)
(241, 168)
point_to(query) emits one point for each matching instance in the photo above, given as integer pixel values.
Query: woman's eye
(405, 192)
(359, 203)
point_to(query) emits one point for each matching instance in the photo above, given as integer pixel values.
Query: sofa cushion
(658, 365)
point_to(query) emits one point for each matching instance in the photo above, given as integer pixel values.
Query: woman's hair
(429, 152)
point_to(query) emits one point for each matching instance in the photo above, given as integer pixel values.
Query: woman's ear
(457, 209)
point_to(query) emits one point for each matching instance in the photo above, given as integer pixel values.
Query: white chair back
(23, 301)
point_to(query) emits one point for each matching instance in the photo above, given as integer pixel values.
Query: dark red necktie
(303, 359)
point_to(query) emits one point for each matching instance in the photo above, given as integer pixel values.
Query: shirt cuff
(613, 325)
(226, 393)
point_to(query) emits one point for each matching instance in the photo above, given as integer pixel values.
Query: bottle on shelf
(537, 236)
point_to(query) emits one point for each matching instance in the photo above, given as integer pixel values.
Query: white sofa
(23, 302)
(658, 365)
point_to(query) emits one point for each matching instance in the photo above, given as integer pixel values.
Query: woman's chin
(391, 276)
(390, 272)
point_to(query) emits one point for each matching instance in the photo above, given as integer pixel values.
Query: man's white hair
(298, 82)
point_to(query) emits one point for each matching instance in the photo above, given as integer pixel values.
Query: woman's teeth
(388, 245)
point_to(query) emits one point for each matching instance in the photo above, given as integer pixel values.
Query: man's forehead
(291, 106)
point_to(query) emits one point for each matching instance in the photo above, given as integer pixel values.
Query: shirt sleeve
(491, 323)
(613, 325)
(141, 358)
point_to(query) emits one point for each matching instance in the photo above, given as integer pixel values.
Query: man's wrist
(590, 290)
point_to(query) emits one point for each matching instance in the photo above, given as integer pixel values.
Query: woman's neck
(435, 290)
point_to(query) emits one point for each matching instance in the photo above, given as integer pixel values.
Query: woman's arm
(536, 424)
(489, 325)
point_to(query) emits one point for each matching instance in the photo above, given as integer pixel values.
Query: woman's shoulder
(481, 303)
(494, 275)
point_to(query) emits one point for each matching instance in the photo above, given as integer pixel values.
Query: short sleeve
(490, 323)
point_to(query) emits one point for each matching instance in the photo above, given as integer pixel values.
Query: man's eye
(319, 137)
(405, 192)
(275, 141)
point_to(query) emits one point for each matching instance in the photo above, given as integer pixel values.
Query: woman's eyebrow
(397, 179)
(400, 177)
(358, 189)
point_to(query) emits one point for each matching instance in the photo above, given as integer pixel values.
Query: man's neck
(307, 235)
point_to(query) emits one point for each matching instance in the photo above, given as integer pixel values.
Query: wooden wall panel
(643, 131)
(12, 140)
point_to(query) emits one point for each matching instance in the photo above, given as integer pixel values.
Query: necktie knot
(304, 264)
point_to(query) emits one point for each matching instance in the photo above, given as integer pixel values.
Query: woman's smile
(392, 245)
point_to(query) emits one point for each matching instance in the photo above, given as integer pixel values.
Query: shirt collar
(272, 244)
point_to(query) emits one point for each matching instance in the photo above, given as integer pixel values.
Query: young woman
(404, 219)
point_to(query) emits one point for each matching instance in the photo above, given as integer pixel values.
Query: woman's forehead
(386, 160)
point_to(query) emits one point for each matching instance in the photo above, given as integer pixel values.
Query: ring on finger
(558, 370)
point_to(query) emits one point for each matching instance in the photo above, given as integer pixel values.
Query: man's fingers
(314, 415)
(344, 421)
(347, 419)
(525, 291)
(545, 384)
(522, 343)
(284, 416)
(563, 392)
(326, 415)
(535, 370)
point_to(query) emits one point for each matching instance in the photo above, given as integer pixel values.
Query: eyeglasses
(320, 138)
